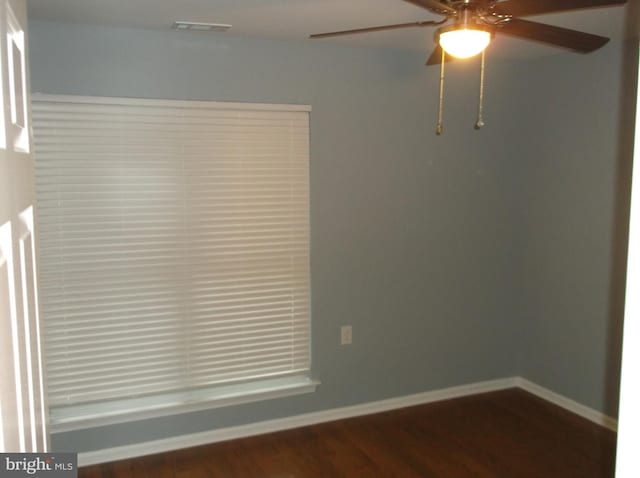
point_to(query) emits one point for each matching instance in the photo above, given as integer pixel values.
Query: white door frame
(23, 410)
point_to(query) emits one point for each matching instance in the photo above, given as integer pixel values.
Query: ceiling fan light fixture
(464, 42)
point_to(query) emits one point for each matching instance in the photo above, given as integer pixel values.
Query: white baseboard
(269, 426)
(287, 423)
(568, 404)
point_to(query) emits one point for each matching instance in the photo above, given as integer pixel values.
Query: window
(174, 253)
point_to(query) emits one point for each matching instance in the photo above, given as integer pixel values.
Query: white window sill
(78, 417)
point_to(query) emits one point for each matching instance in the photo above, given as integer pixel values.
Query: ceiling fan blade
(436, 56)
(433, 5)
(563, 37)
(375, 29)
(522, 8)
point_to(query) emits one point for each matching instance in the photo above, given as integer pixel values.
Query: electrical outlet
(345, 335)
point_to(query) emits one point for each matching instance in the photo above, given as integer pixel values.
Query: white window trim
(82, 417)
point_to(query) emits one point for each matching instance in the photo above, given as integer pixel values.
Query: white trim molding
(568, 404)
(287, 423)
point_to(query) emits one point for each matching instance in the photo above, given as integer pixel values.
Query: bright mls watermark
(52, 465)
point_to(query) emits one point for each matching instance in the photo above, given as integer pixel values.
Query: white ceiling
(296, 19)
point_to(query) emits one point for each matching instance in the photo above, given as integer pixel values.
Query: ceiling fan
(473, 23)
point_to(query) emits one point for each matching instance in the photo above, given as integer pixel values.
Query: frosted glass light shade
(464, 42)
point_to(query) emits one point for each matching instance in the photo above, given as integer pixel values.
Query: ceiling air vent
(200, 27)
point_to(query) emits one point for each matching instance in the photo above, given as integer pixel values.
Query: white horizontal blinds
(174, 245)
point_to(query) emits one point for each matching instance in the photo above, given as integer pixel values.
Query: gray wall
(573, 180)
(422, 243)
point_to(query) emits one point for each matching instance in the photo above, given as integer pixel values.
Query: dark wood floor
(507, 434)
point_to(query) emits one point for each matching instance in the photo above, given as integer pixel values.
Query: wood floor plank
(505, 434)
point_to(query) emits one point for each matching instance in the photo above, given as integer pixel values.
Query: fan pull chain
(439, 127)
(480, 122)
